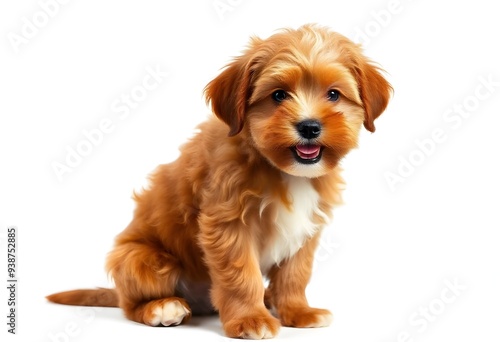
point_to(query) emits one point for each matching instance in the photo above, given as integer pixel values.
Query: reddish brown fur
(208, 217)
(97, 297)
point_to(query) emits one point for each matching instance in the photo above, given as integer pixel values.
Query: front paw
(305, 317)
(255, 327)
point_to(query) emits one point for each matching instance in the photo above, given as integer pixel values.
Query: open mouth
(307, 154)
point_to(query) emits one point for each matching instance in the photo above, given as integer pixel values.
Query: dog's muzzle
(308, 153)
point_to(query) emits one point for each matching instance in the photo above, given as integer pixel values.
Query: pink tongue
(307, 151)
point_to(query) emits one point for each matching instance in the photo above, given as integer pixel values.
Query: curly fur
(237, 205)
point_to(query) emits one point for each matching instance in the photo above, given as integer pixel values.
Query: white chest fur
(294, 224)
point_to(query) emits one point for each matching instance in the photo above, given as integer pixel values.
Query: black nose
(309, 129)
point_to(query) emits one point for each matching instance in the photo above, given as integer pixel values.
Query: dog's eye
(279, 95)
(333, 95)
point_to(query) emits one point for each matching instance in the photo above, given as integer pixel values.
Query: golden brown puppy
(250, 193)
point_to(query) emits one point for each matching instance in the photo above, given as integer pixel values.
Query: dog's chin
(306, 170)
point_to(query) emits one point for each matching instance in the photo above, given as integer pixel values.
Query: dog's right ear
(229, 92)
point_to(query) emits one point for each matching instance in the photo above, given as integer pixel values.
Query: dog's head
(301, 96)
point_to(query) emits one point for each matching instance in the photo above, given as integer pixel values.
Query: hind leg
(145, 277)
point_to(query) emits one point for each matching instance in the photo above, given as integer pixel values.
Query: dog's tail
(95, 297)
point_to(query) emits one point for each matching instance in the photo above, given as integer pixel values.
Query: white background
(390, 250)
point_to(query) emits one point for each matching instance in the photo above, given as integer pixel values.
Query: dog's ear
(374, 89)
(229, 92)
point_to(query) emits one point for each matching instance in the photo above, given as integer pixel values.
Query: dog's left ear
(229, 92)
(375, 92)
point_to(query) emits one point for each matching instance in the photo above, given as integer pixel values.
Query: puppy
(250, 193)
